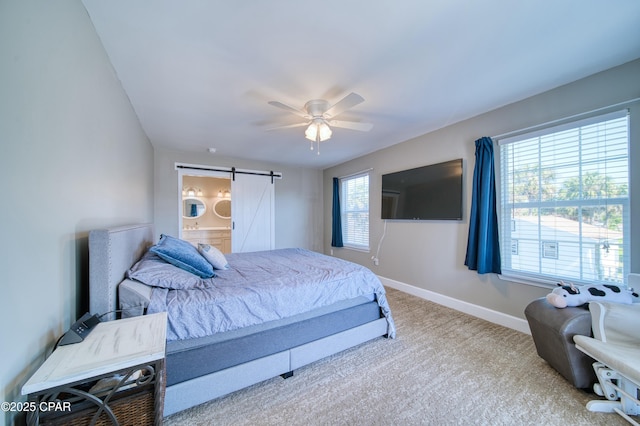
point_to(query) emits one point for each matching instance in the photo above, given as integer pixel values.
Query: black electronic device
(432, 192)
(80, 329)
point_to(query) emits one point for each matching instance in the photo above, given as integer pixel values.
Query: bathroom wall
(210, 187)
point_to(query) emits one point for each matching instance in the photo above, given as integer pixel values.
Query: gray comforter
(265, 286)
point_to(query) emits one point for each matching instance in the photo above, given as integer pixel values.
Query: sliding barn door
(252, 213)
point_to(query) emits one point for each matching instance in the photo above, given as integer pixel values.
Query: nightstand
(115, 376)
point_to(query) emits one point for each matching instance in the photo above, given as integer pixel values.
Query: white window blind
(355, 211)
(564, 202)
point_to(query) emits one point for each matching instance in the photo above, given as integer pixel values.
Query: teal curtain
(336, 220)
(483, 247)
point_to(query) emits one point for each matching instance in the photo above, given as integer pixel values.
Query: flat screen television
(432, 192)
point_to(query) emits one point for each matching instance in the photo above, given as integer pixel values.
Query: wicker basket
(135, 408)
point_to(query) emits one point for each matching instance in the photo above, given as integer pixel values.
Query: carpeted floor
(444, 368)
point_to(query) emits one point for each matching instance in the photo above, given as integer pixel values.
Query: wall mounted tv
(432, 192)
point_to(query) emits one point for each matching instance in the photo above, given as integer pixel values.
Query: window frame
(542, 279)
(344, 212)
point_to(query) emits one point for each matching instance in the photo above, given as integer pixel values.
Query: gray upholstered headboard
(112, 252)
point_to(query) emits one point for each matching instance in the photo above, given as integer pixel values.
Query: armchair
(616, 349)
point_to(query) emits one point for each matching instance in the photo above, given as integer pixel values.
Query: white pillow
(213, 256)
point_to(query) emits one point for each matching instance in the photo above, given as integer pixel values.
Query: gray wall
(430, 255)
(298, 196)
(73, 157)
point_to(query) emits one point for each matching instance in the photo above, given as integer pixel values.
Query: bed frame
(113, 251)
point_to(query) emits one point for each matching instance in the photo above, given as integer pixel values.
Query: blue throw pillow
(183, 255)
(153, 271)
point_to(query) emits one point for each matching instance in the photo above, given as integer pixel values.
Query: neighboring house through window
(564, 202)
(355, 211)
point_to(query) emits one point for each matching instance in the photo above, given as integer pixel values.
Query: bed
(203, 365)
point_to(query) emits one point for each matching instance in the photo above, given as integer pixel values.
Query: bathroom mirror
(222, 208)
(193, 207)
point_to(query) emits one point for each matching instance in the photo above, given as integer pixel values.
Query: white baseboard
(490, 315)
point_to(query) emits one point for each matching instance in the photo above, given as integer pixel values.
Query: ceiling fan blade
(349, 101)
(289, 126)
(353, 125)
(289, 109)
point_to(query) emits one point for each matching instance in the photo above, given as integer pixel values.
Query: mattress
(257, 287)
(133, 298)
(184, 358)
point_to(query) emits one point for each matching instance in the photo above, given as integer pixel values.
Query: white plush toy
(573, 295)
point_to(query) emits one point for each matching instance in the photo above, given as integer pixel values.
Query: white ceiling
(199, 73)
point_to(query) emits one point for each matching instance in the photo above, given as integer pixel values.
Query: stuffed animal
(573, 295)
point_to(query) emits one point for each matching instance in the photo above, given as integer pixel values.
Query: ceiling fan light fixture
(311, 132)
(325, 131)
(318, 129)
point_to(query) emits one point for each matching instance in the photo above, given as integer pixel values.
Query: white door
(252, 213)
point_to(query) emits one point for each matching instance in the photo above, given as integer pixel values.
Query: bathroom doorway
(205, 215)
(233, 210)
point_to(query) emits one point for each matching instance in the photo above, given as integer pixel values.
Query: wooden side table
(115, 376)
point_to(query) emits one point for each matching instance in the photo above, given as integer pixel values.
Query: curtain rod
(356, 173)
(560, 120)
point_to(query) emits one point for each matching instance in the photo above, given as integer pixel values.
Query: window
(355, 211)
(564, 202)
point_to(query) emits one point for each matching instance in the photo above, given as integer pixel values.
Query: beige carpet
(444, 368)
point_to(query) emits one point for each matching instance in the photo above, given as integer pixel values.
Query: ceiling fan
(319, 117)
